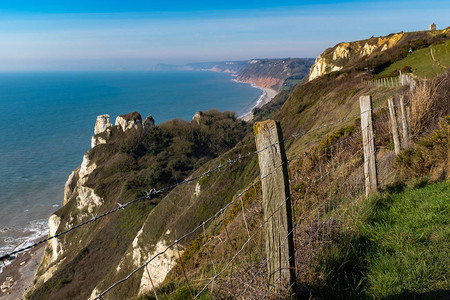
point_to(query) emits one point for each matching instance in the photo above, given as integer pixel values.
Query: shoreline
(20, 273)
(17, 275)
(267, 95)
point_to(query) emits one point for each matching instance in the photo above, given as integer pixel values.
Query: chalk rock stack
(128, 121)
(102, 124)
(197, 117)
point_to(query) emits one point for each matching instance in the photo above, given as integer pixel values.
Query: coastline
(267, 95)
(20, 273)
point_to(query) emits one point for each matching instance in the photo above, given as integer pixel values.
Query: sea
(48, 118)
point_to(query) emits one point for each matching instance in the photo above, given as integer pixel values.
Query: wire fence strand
(318, 218)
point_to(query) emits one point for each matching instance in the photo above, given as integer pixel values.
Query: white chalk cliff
(336, 58)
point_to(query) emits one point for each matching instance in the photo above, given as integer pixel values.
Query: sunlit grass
(398, 248)
(422, 63)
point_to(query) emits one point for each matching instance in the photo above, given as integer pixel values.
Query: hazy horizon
(135, 35)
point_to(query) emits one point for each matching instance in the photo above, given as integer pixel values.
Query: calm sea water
(47, 120)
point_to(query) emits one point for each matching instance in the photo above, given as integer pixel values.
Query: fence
(401, 80)
(260, 249)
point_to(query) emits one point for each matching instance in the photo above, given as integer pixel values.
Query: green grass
(399, 249)
(411, 233)
(422, 63)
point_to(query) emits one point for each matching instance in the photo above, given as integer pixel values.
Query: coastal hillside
(350, 62)
(275, 73)
(174, 211)
(265, 73)
(350, 53)
(126, 160)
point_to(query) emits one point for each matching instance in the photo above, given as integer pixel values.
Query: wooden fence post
(370, 164)
(394, 125)
(277, 204)
(405, 123)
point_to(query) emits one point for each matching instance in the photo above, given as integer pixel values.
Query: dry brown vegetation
(429, 101)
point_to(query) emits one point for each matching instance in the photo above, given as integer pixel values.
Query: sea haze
(47, 120)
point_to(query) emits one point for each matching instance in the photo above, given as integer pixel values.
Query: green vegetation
(398, 249)
(164, 154)
(422, 63)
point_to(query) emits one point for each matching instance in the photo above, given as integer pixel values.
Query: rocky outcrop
(86, 168)
(149, 122)
(159, 268)
(102, 124)
(98, 139)
(6, 285)
(197, 190)
(336, 58)
(128, 121)
(54, 245)
(197, 117)
(70, 185)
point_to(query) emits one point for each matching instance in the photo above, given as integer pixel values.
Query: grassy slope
(422, 63)
(410, 234)
(397, 248)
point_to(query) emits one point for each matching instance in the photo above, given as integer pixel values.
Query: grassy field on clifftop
(422, 63)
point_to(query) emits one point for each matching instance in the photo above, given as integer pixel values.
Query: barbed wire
(319, 227)
(261, 225)
(316, 209)
(149, 195)
(217, 214)
(153, 193)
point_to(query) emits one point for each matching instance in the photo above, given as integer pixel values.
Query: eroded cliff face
(265, 82)
(272, 73)
(339, 56)
(86, 201)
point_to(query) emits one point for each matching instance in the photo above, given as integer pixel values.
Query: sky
(136, 34)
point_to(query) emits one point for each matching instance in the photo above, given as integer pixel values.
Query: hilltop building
(432, 27)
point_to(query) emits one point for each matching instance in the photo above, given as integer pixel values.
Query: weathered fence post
(370, 164)
(277, 204)
(394, 125)
(405, 123)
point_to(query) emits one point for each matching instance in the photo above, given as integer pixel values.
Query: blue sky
(114, 35)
